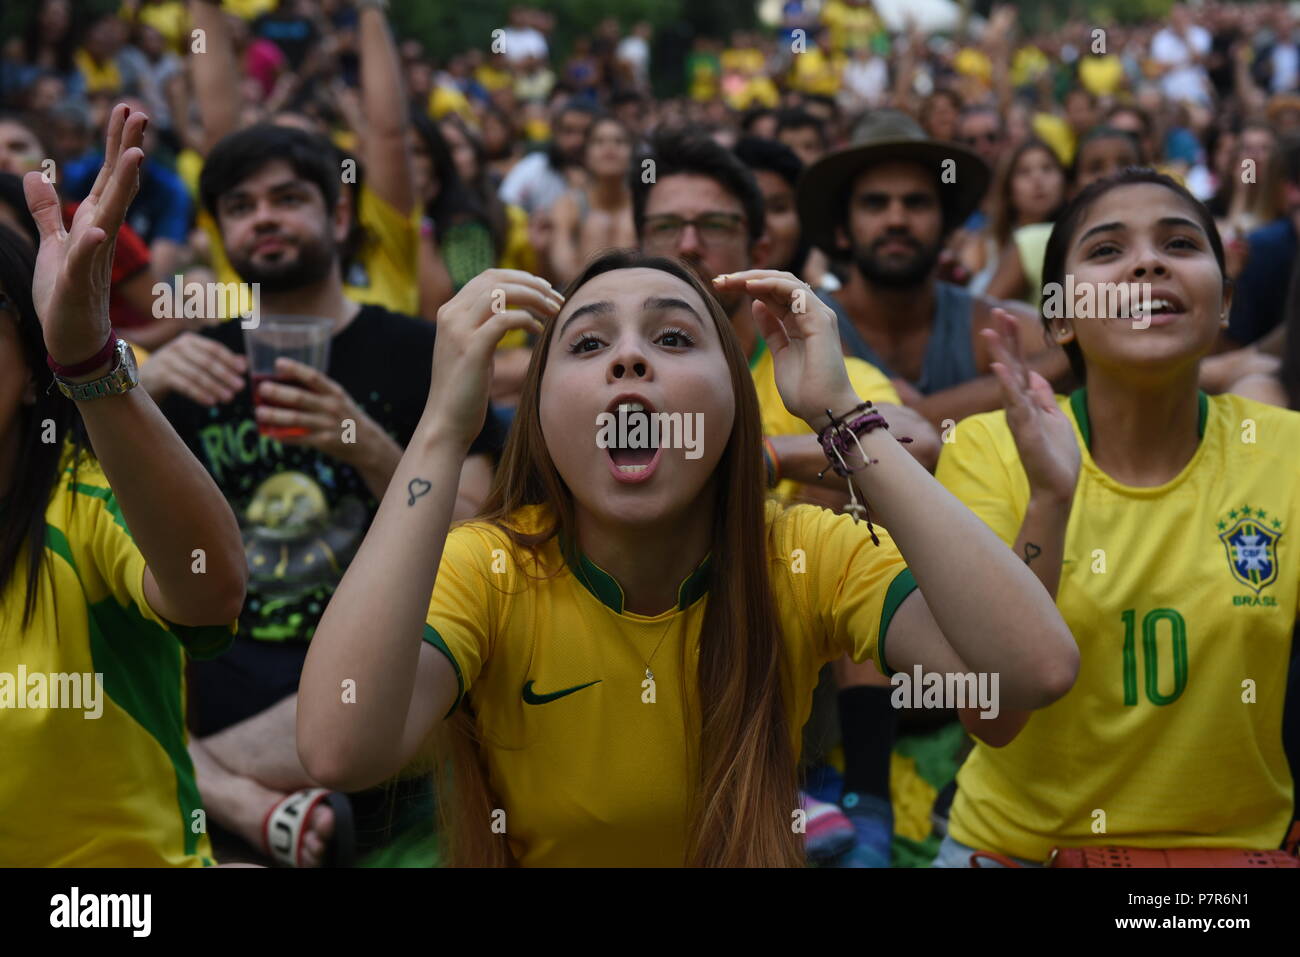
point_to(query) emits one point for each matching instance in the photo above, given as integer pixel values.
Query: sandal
(286, 825)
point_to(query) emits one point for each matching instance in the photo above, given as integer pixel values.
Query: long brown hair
(1005, 215)
(745, 793)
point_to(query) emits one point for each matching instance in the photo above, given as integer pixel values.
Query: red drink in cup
(305, 339)
(273, 431)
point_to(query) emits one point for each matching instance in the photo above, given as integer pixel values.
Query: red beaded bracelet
(89, 365)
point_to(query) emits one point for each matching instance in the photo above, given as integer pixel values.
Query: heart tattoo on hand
(417, 487)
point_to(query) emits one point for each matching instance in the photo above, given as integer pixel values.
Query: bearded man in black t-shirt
(304, 502)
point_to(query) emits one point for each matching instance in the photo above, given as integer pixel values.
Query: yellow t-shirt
(868, 382)
(97, 771)
(1178, 596)
(383, 272)
(585, 770)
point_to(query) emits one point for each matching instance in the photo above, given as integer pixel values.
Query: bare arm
(1049, 454)
(957, 560)
(169, 501)
(214, 71)
(435, 280)
(371, 631)
(384, 150)
(1008, 280)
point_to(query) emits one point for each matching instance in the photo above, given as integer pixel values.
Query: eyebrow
(653, 304)
(280, 187)
(1166, 221)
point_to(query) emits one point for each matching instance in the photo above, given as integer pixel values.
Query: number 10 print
(1150, 655)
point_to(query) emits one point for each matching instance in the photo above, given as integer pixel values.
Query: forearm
(377, 460)
(435, 281)
(371, 630)
(171, 506)
(944, 409)
(217, 94)
(960, 565)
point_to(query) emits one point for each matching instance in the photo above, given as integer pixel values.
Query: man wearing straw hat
(886, 205)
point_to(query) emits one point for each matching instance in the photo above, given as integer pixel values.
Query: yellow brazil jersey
(1182, 599)
(588, 770)
(868, 382)
(92, 700)
(382, 273)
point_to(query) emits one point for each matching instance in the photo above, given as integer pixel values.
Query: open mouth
(1161, 304)
(635, 449)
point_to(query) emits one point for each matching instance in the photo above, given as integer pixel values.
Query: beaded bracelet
(835, 443)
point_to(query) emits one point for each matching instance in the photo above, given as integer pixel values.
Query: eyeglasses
(714, 229)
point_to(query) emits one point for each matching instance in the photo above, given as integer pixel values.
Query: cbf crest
(1250, 535)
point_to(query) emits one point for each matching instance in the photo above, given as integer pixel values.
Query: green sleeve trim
(203, 641)
(432, 637)
(902, 586)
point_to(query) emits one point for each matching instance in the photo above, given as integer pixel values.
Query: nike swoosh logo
(532, 697)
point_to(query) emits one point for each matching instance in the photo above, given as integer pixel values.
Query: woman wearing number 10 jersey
(1165, 522)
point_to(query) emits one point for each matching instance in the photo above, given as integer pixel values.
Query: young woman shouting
(1160, 520)
(627, 642)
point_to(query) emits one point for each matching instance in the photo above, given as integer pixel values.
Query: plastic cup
(303, 338)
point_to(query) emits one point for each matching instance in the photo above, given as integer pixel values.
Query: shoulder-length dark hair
(1067, 224)
(36, 469)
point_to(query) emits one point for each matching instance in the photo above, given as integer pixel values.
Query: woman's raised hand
(470, 325)
(74, 266)
(1049, 450)
(802, 333)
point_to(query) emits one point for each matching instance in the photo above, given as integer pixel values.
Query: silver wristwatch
(123, 377)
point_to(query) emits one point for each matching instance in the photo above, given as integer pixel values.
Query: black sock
(867, 725)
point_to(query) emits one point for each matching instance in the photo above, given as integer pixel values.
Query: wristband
(88, 365)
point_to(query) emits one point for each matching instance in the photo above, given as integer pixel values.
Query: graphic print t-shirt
(303, 514)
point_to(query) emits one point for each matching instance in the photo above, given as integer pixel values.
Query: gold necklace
(650, 675)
